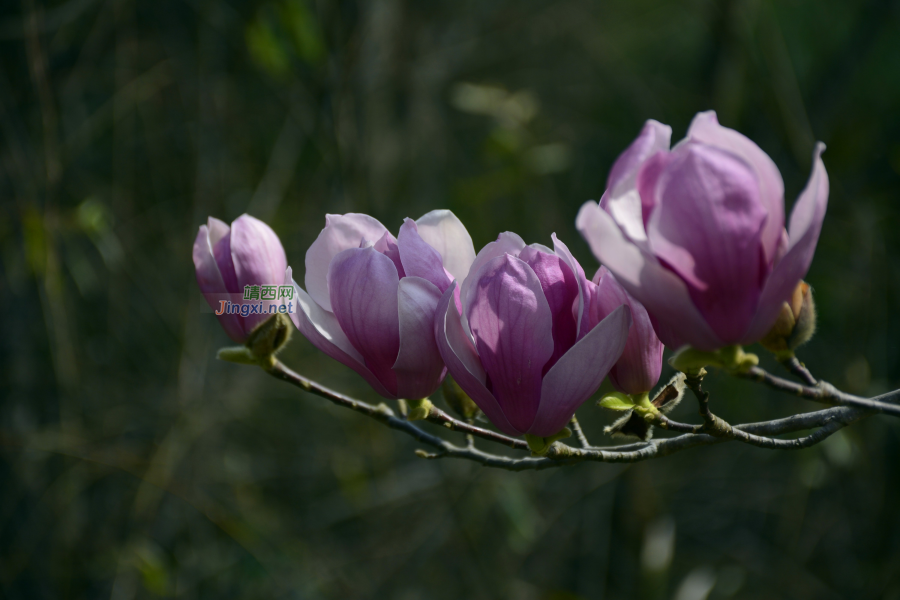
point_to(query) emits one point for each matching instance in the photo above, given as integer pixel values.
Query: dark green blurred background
(134, 465)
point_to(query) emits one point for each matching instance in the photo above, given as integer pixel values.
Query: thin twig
(383, 413)
(667, 423)
(718, 427)
(799, 370)
(712, 424)
(827, 421)
(579, 432)
(823, 392)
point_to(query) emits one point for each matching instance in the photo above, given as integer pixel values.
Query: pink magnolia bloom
(637, 371)
(697, 235)
(370, 297)
(520, 342)
(227, 259)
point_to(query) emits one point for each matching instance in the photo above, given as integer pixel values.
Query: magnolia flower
(227, 259)
(520, 342)
(696, 233)
(637, 371)
(370, 298)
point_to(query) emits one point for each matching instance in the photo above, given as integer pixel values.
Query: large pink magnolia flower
(520, 342)
(227, 259)
(696, 233)
(370, 298)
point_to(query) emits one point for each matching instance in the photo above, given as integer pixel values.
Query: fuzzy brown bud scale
(795, 325)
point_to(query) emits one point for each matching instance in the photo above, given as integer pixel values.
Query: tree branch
(383, 413)
(824, 392)
(827, 421)
(799, 370)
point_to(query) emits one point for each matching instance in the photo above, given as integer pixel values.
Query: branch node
(717, 427)
(428, 455)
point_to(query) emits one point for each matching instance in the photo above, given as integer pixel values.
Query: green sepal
(690, 360)
(730, 358)
(735, 359)
(643, 406)
(264, 341)
(237, 354)
(269, 337)
(418, 410)
(616, 401)
(540, 445)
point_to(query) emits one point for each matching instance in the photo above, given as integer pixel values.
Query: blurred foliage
(134, 465)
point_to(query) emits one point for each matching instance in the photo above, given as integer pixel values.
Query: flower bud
(521, 342)
(370, 298)
(270, 336)
(264, 342)
(697, 233)
(795, 325)
(231, 260)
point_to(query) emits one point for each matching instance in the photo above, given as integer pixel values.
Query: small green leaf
(237, 354)
(418, 409)
(616, 401)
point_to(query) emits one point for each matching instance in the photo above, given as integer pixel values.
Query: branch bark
(825, 392)
(825, 422)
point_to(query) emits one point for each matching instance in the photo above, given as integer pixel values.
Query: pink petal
(388, 246)
(341, 232)
(444, 232)
(654, 137)
(580, 372)
(639, 367)
(561, 289)
(706, 227)
(628, 213)
(463, 362)
(660, 290)
(419, 259)
(647, 181)
(419, 367)
(363, 286)
(324, 332)
(805, 226)
(208, 277)
(217, 230)
(225, 261)
(211, 284)
(257, 253)
(258, 259)
(512, 326)
(506, 243)
(705, 128)
(584, 287)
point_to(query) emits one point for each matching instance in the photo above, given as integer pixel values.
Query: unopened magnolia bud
(795, 325)
(458, 400)
(269, 337)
